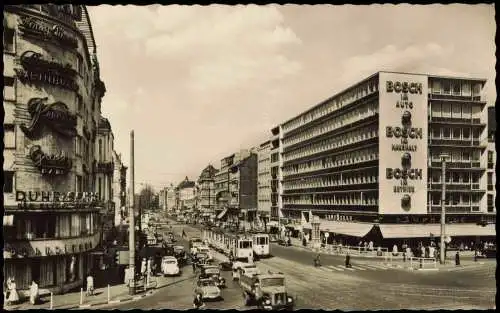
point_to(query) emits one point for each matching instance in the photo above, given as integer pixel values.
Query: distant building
(206, 196)
(187, 194)
(491, 161)
(236, 187)
(167, 201)
(119, 188)
(264, 182)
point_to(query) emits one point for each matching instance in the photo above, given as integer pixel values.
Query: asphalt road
(374, 287)
(179, 295)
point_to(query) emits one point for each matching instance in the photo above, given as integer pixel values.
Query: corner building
(367, 161)
(52, 102)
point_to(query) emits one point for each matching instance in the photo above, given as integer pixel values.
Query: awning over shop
(425, 230)
(221, 214)
(346, 228)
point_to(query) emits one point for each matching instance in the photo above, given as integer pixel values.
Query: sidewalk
(71, 300)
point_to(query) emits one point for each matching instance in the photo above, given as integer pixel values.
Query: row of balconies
(458, 121)
(457, 142)
(457, 165)
(470, 187)
(104, 167)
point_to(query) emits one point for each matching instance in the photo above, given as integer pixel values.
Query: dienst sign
(403, 143)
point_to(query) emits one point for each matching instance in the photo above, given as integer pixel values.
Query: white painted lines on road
(359, 268)
(335, 268)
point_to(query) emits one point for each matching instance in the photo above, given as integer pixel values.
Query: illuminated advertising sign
(403, 143)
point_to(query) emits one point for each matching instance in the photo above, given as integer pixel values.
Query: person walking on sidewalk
(457, 259)
(198, 301)
(184, 234)
(90, 285)
(34, 293)
(13, 297)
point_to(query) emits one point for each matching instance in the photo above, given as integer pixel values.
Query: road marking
(379, 267)
(359, 268)
(335, 268)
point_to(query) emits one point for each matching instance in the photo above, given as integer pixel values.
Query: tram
(261, 245)
(238, 245)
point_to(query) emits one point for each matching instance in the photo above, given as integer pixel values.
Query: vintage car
(170, 266)
(240, 268)
(180, 254)
(213, 271)
(208, 289)
(201, 259)
(226, 266)
(171, 236)
(284, 242)
(205, 250)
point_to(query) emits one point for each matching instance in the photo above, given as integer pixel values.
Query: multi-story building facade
(264, 182)
(276, 164)
(491, 161)
(52, 102)
(236, 186)
(167, 200)
(119, 188)
(187, 194)
(206, 197)
(371, 155)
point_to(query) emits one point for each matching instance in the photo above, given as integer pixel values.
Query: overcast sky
(197, 83)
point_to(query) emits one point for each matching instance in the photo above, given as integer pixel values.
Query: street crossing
(354, 267)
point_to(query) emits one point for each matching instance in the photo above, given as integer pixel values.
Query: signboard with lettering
(403, 143)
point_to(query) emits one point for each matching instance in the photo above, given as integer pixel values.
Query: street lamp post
(443, 157)
(131, 226)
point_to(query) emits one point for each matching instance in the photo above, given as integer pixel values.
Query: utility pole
(131, 243)
(443, 208)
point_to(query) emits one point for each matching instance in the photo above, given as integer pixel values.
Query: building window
(79, 64)
(100, 150)
(436, 87)
(446, 133)
(9, 88)
(446, 88)
(466, 89)
(466, 133)
(79, 101)
(436, 132)
(490, 181)
(10, 136)
(9, 40)
(476, 90)
(466, 156)
(466, 178)
(79, 183)
(99, 186)
(465, 198)
(490, 159)
(8, 185)
(456, 177)
(456, 89)
(456, 133)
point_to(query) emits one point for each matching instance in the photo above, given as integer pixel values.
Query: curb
(130, 298)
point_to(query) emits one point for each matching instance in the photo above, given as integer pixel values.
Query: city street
(370, 285)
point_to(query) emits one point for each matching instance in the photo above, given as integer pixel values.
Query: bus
(261, 245)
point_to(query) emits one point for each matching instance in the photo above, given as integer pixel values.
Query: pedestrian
(90, 285)
(348, 261)
(13, 297)
(395, 250)
(34, 293)
(183, 233)
(457, 259)
(143, 267)
(193, 264)
(198, 301)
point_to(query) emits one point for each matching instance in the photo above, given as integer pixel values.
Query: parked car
(180, 254)
(208, 289)
(170, 266)
(284, 242)
(213, 271)
(240, 268)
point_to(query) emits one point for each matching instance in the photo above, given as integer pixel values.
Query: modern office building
(371, 156)
(264, 182)
(206, 196)
(236, 187)
(52, 103)
(491, 161)
(276, 164)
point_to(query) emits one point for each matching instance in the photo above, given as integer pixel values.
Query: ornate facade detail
(54, 164)
(37, 29)
(37, 70)
(104, 167)
(55, 115)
